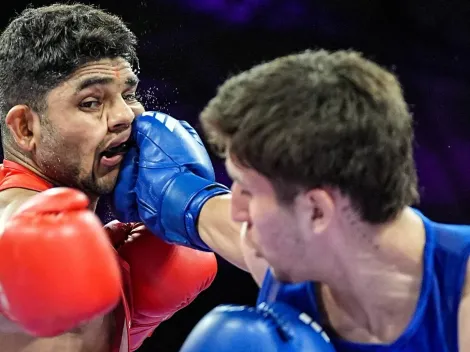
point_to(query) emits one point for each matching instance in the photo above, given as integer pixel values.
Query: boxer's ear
(23, 125)
(319, 207)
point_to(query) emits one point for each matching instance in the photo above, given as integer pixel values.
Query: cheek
(85, 139)
(266, 222)
(69, 149)
(137, 109)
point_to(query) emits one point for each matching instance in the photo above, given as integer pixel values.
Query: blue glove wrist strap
(180, 212)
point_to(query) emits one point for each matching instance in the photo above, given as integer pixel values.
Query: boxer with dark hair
(67, 102)
(319, 147)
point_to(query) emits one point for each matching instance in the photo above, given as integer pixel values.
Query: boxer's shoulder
(10, 200)
(92, 336)
(14, 195)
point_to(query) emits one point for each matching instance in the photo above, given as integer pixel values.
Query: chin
(99, 187)
(106, 183)
(281, 275)
(106, 188)
(289, 276)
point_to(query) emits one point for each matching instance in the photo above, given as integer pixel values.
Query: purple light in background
(265, 13)
(234, 11)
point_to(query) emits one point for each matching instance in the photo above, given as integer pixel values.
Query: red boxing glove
(164, 277)
(57, 266)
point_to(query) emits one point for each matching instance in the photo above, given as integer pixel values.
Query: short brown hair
(320, 119)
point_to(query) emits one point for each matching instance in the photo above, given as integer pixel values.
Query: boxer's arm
(222, 235)
(10, 201)
(464, 316)
(219, 232)
(184, 205)
(94, 335)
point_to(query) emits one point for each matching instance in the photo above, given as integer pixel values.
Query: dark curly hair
(42, 46)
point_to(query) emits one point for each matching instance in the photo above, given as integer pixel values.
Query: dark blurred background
(189, 47)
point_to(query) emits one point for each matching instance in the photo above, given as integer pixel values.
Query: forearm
(7, 326)
(219, 232)
(464, 315)
(10, 201)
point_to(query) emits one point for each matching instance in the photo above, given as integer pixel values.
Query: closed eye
(244, 192)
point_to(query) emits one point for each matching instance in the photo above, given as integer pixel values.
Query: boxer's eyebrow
(92, 81)
(131, 82)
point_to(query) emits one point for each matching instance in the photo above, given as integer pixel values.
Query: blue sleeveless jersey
(434, 325)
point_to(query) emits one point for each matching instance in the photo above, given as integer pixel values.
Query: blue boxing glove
(165, 179)
(274, 327)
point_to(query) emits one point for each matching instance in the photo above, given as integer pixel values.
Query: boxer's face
(90, 112)
(273, 230)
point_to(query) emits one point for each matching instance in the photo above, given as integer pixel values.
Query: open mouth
(119, 149)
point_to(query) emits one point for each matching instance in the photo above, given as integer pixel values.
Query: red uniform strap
(14, 175)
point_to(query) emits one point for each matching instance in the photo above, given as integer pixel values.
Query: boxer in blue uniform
(319, 147)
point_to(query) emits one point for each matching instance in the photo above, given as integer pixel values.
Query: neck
(93, 202)
(28, 163)
(377, 277)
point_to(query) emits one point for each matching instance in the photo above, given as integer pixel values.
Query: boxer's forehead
(247, 177)
(106, 71)
(232, 170)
